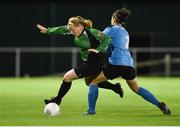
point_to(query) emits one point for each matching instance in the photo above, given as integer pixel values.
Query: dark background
(151, 24)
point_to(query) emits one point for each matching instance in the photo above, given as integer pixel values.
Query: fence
(152, 60)
(18, 51)
(168, 57)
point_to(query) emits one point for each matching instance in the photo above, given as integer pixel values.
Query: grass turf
(21, 103)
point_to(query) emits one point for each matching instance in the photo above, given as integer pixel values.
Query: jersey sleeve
(102, 37)
(108, 31)
(58, 30)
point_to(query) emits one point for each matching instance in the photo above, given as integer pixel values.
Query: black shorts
(114, 71)
(90, 67)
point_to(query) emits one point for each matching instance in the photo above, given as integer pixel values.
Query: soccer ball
(52, 109)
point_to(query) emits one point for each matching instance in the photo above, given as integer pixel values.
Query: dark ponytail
(121, 15)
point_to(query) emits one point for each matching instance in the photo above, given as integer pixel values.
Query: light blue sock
(92, 98)
(147, 95)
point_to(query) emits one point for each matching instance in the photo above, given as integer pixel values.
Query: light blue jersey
(119, 47)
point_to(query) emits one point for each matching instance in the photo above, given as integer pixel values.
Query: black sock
(64, 88)
(106, 85)
(114, 87)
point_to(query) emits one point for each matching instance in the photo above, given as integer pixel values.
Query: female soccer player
(92, 43)
(120, 63)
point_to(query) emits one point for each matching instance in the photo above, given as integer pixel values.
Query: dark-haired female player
(121, 64)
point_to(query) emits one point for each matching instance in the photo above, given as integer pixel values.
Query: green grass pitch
(21, 103)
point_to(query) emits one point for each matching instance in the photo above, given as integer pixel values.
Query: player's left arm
(103, 38)
(105, 41)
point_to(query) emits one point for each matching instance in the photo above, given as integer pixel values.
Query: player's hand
(93, 50)
(42, 28)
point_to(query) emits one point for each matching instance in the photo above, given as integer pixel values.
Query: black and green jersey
(89, 38)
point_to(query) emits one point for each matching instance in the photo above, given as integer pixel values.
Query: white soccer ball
(52, 109)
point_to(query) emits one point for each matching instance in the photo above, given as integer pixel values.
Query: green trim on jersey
(83, 41)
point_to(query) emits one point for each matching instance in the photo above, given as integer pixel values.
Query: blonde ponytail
(87, 23)
(80, 20)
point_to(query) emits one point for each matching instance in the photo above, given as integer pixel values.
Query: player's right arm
(53, 30)
(42, 28)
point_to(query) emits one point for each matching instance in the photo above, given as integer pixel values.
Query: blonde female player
(92, 43)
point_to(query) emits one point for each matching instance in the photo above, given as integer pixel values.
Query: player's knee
(133, 85)
(67, 78)
(135, 89)
(96, 81)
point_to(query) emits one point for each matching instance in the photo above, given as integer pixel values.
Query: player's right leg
(92, 99)
(64, 88)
